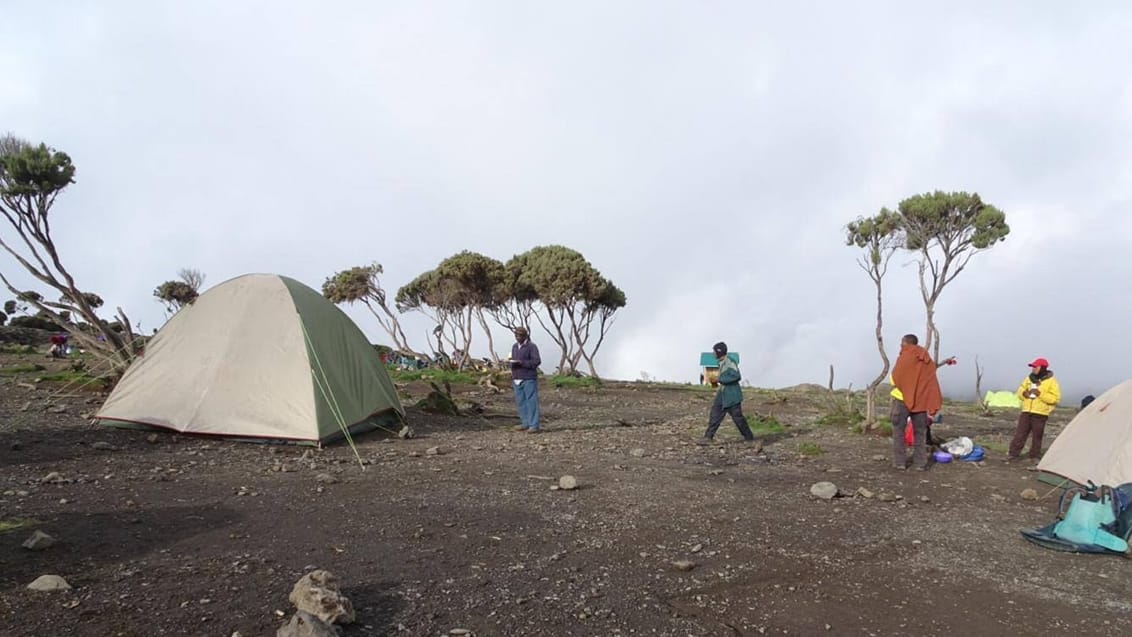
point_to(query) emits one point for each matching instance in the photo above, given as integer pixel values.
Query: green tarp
(1002, 399)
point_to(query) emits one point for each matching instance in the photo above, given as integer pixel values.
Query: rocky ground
(465, 527)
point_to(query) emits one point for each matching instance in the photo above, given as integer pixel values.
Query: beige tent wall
(234, 363)
(1097, 444)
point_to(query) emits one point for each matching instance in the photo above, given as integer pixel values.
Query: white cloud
(706, 161)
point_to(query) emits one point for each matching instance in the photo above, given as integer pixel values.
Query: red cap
(1039, 362)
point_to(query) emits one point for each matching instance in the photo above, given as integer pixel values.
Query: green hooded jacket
(729, 390)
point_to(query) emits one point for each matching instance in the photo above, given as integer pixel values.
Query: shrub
(766, 425)
(573, 381)
(35, 323)
(810, 449)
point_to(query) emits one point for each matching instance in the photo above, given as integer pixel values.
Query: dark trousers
(900, 416)
(736, 412)
(1029, 426)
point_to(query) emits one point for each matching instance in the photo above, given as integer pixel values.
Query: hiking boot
(520, 428)
(754, 445)
(534, 431)
(703, 441)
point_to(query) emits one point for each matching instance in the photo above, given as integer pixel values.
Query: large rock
(303, 624)
(568, 483)
(318, 594)
(824, 490)
(49, 583)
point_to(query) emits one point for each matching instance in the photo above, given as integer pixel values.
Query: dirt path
(186, 536)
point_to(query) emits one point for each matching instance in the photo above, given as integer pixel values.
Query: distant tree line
(468, 292)
(463, 296)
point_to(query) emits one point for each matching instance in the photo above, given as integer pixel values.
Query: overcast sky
(703, 155)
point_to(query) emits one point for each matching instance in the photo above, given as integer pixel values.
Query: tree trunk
(931, 341)
(871, 393)
(490, 340)
(870, 408)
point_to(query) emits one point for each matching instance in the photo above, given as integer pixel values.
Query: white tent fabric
(258, 356)
(1097, 444)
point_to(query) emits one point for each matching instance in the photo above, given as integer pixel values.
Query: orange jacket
(914, 373)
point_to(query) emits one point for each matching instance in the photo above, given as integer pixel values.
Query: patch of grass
(573, 381)
(18, 349)
(766, 425)
(21, 369)
(840, 418)
(810, 449)
(11, 524)
(881, 428)
(435, 375)
(995, 446)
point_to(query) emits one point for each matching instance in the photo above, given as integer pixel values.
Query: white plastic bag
(959, 447)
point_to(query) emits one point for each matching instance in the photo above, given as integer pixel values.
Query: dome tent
(260, 356)
(1096, 445)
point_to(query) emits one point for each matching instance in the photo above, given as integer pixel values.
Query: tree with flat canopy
(878, 237)
(944, 230)
(362, 284)
(31, 180)
(574, 303)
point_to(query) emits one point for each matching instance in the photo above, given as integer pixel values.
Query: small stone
(683, 565)
(26, 406)
(568, 483)
(1029, 494)
(49, 583)
(57, 409)
(716, 472)
(554, 487)
(38, 541)
(878, 458)
(432, 451)
(459, 631)
(151, 439)
(53, 478)
(637, 453)
(864, 493)
(103, 446)
(997, 497)
(326, 478)
(925, 499)
(886, 497)
(697, 548)
(824, 490)
(405, 433)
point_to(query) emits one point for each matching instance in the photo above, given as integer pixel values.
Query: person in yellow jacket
(1039, 393)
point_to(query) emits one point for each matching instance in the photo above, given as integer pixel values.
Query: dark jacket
(729, 377)
(525, 361)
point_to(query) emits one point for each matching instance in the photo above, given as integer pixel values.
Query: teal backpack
(1097, 520)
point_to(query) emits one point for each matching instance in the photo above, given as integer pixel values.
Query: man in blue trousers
(524, 375)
